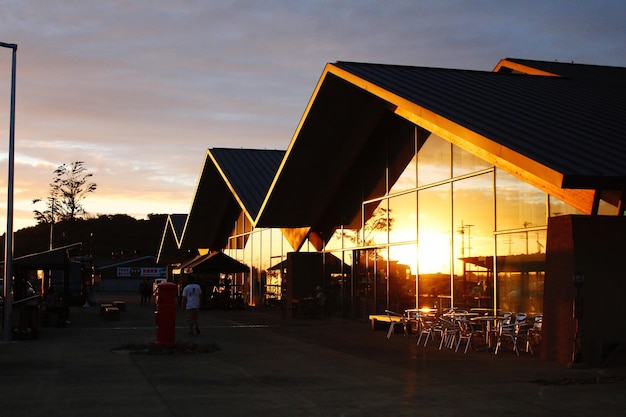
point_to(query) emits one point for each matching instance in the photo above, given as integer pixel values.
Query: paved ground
(268, 365)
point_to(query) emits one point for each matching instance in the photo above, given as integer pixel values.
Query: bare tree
(69, 187)
(380, 221)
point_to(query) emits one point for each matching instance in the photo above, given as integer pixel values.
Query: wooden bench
(103, 308)
(112, 313)
(385, 318)
(120, 304)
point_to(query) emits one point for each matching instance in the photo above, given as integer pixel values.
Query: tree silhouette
(380, 221)
(68, 188)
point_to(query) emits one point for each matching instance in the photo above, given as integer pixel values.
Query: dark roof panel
(212, 200)
(598, 76)
(250, 172)
(562, 123)
(178, 224)
(170, 240)
(330, 139)
(56, 258)
(231, 181)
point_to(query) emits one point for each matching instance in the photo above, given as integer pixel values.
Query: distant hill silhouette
(106, 236)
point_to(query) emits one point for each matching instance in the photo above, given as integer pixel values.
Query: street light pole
(8, 241)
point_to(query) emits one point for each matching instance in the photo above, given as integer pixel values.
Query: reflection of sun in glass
(405, 255)
(433, 252)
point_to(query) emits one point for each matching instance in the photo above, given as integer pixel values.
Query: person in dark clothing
(56, 305)
(145, 291)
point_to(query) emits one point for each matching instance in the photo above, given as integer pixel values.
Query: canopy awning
(333, 265)
(56, 258)
(215, 262)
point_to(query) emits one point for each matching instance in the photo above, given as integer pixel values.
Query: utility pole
(8, 240)
(52, 203)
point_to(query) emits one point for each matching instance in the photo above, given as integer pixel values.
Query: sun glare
(433, 253)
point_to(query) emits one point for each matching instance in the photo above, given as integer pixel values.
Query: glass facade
(264, 251)
(429, 240)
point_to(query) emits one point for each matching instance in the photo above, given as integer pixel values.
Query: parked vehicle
(155, 284)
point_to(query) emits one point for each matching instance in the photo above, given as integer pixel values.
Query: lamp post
(52, 202)
(8, 241)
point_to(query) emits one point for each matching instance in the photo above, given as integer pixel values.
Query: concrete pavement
(268, 365)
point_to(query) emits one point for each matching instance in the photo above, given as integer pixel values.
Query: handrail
(27, 299)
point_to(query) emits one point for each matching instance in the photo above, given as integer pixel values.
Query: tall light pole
(8, 241)
(52, 202)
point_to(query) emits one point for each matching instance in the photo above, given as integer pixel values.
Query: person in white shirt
(192, 299)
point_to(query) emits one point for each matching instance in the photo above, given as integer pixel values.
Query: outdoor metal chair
(426, 326)
(396, 319)
(515, 331)
(448, 330)
(467, 332)
(533, 335)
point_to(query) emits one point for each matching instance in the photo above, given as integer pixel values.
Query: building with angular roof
(172, 238)
(230, 190)
(441, 188)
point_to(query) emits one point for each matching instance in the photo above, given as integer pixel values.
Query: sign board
(140, 272)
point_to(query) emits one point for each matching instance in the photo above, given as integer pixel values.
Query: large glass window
(339, 272)
(371, 281)
(560, 208)
(521, 271)
(266, 249)
(433, 161)
(434, 229)
(473, 240)
(434, 243)
(434, 236)
(473, 216)
(241, 229)
(519, 205)
(402, 273)
(277, 246)
(377, 224)
(407, 180)
(337, 241)
(464, 162)
(403, 218)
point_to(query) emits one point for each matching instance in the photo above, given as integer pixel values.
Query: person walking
(192, 298)
(145, 291)
(57, 305)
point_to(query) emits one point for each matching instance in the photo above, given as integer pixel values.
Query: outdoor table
(481, 310)
(489, 321)
(459, 315)
(413, 316)
(412, 313)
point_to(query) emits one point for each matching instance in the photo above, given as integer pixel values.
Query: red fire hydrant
(165, 315)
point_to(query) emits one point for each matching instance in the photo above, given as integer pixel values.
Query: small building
(125, 275)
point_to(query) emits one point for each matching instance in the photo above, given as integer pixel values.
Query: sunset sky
(138, 90)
